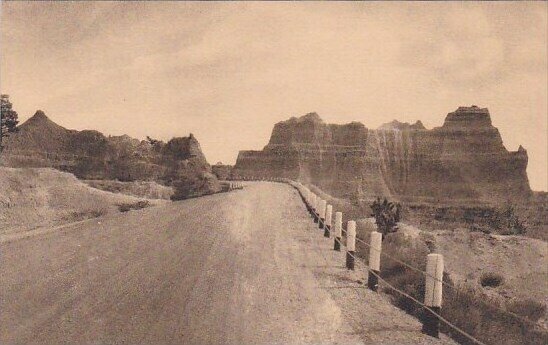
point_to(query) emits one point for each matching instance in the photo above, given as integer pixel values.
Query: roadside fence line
(434, 274)
(321, 212)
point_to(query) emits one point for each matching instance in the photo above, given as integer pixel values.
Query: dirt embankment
(37, 197)
(521, 261)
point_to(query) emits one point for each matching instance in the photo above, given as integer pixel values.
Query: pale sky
(228, 71)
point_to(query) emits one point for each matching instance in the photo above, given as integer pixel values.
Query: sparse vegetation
(81, 215)
(188, 186)
(133, 206)
(470, 309)
(486, 319)
(507, 222)
(531, 309)
(491, 279)
(523, 219)
(464, 306)
(32, 198)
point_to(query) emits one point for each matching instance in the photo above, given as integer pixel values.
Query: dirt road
(246, 267)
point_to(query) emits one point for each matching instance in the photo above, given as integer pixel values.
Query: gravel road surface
(246, 267)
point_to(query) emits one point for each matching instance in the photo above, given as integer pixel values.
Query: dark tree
(152, 141)
(8, 118)
(387, 215)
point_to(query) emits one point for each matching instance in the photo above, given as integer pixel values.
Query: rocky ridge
(90, 155)
(462, 161)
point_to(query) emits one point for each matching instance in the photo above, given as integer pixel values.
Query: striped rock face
(464, 160)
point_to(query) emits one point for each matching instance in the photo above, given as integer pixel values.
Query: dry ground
(522, 261)
(140, 189)
(31, 198)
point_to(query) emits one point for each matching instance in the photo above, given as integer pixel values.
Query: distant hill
(91, 155)
(402, 126)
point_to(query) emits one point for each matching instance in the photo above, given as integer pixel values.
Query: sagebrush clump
(133, 206)
(387, 215)
(506, 221)
(491, 279)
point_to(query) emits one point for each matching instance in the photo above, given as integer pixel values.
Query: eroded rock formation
(462, 161)
(91, 155)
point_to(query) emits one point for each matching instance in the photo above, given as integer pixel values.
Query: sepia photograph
(274, 173)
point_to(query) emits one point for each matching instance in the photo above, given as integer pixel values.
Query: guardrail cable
(441, 318)
(386, 283)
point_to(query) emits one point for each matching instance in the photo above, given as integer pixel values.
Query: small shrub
(81, 215)
(97, 213)
(133, 206)
(387, 215)
(506, 221)
(491, 279)
(529, 308)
